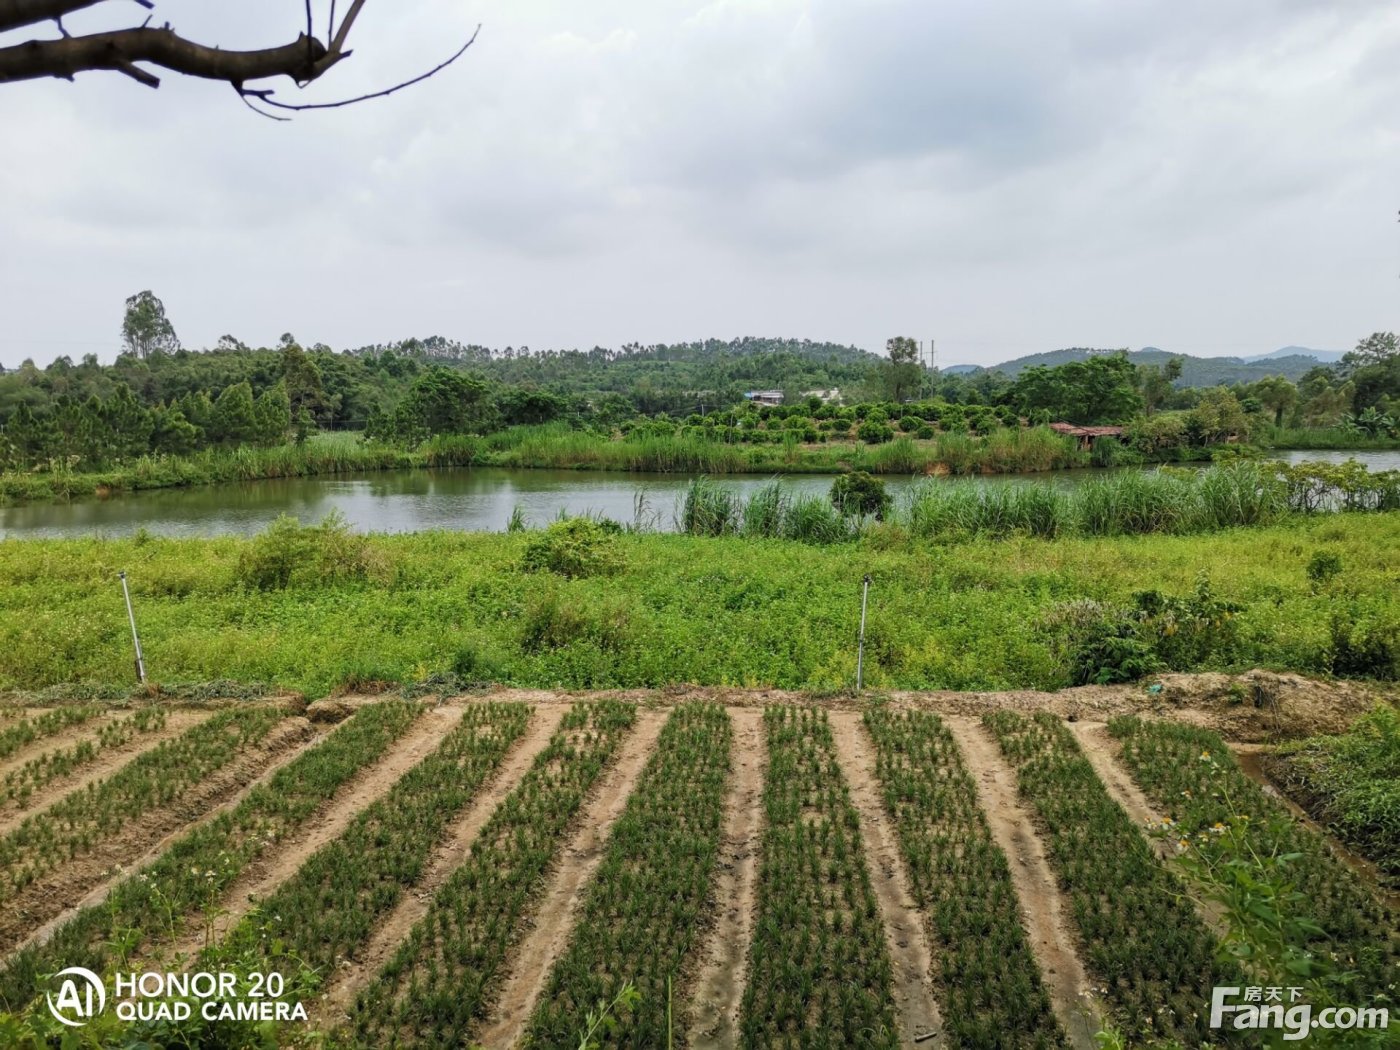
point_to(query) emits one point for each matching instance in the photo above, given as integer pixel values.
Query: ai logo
(81, 996)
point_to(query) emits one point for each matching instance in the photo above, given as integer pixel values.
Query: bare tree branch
(16, 13)
(302, 60)
(265, 96)
(120, 50)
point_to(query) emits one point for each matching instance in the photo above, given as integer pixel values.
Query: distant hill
(1291, 361)
(1326, 357)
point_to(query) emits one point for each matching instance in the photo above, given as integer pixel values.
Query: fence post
(135, 638)
(860, 650)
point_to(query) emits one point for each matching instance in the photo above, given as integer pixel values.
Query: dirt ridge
(906, 938)
(279, 863)
(50, 901)
(342, 986)
(106, 762)
(1044, 911)
(555, 913)
(718, 990)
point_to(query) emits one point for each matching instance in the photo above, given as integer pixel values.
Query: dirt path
(85, 881)
(527, 970)
(905, 935)
(1043, 907)
(106, 762)
(343, 985)
(328, 823)
(719, 987)
(63, 738)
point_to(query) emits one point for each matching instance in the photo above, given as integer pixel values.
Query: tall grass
(708, 509)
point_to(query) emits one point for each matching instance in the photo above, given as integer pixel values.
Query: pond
(477, 499)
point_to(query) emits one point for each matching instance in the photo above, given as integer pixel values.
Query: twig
(265, 96)
(138, 74)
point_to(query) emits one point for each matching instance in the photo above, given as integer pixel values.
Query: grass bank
(978, 613)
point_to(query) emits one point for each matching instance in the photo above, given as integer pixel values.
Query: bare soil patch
(342, 986)
(1043, 907)
(87, 879)
(554, 915)
(723, 971)
(905, 935)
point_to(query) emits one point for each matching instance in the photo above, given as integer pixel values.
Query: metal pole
(860, 651)
(136, 638)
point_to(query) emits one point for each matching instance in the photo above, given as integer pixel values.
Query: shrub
(860, 493)
(554, 620)
(1101, 643)
(1364, 648)
(288, 554)
(572, 547)
(873, 433)
(1323, 566)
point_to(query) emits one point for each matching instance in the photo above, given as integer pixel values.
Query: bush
(1364, 648)
(1101, 643)
(553, 620)
(860, 493)
(873, 433)
(288, 554)
(573, 547)
(1323, 566)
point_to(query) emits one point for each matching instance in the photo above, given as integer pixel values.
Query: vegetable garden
(447, 827)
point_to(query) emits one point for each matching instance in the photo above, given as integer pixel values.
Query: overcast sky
(1003, 177)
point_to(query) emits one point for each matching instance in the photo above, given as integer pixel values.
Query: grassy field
(313, 611)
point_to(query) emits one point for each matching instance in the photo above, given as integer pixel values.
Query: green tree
(273, 414)
(1218, 417)
(1101, 389)
(234, 420)
(903, 373)
(145, 328)
(444, 402)
(1155, 383)
(1375, 349)
(172, 433)
(126, 425)
(1277, 395)
(305, 391)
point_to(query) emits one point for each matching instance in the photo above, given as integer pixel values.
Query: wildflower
(1183, 845)
(1205, 756)
(1217, 828)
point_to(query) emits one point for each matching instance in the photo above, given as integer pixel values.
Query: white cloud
(1006, 176)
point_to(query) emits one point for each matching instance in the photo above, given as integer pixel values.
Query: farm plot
(434, 990)
(1189, 773)
(38, 727)
(197, 869)
(329, 908)
(38, 857)
(642, 913)
(20, 784)
(494, 872)
(819, 972)
(1139, 933)
(987, 979)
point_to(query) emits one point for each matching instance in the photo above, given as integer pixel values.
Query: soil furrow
(719, 986)
(277, 865)
(87, 880)
(63, 738)
(527, 971)
(342, 987)
(106, 762)
(905, 936)
(1043, 907)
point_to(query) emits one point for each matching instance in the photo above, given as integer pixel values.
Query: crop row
(199, 866)
(643, 908)
(28, 730)
(76, 823)
(1140, 934)
(436, 986)
(330, 907)
(987, 979)
(19, 784)
(1190, 774)
(819, 972)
